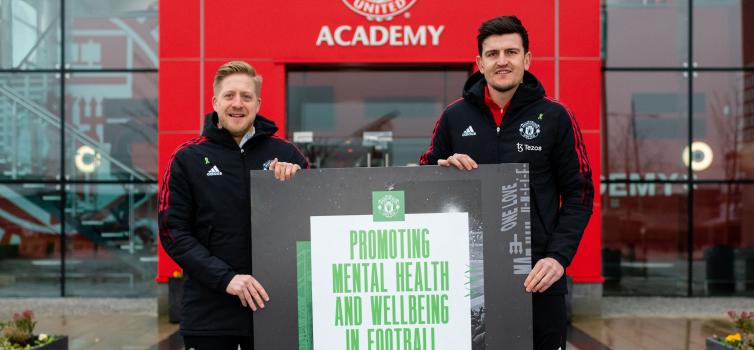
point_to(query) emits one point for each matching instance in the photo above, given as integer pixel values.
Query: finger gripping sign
(393, 258)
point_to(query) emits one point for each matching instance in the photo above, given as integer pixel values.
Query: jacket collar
(529, 91)
(263, 127)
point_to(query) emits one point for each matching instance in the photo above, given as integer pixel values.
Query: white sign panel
(392, 284)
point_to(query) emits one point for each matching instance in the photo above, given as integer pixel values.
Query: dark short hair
(502, 25)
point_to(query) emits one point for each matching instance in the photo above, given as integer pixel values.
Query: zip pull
(241, 150)
(502, 115)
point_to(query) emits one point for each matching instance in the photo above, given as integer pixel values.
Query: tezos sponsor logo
(524, 147)
(379, 10)
(529, 129)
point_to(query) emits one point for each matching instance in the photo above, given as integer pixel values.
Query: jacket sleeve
(178, 234)
(297, 157)
(574, 181)
(439, 146)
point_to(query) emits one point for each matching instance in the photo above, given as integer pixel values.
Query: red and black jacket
(204, 220)
(535, 130)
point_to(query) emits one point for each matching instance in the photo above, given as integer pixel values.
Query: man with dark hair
(204, 212)
(505, 117)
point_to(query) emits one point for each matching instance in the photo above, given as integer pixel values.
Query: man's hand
(458, 160)
(545, 272)
(246, 288)
(284, 171)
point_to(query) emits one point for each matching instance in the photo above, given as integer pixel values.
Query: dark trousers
(218, 343)
(550, 323)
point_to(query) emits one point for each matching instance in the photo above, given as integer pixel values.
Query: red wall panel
(579, 23)
(580, 90)
(544, 70)
(179, 29)
(537, 16)
(288, 31)
(179, 96)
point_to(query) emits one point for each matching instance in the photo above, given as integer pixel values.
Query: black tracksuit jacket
(204, 219)
(535, 130)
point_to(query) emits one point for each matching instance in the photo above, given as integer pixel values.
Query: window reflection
(29, 240)
(368, 118)
(111, 239)
(658, 34)
(644, 230)
(112, 34)
(113, 131)
(724, 239)
(727, 124)
(29, 126)
(721, 38)
(647, 125)
(29, 34)
(109, 133)
(722, 146)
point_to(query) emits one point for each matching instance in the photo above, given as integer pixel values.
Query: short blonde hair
(235, 67)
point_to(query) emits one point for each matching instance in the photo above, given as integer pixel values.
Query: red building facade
(278, 38)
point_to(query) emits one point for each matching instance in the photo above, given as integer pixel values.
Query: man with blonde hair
(204, 212)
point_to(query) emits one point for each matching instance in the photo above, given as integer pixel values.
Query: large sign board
(393, 258)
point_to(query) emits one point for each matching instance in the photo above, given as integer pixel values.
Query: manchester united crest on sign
(379, 10)
(388, 206)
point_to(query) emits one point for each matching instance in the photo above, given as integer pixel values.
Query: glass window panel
(724, 239)
(30, 34)
(111, 240)
(720, 39)
(29, 126)
(645, 33)
(113, 118)
(644, 239)
(647, 125)
(29, 240)
(339, 106)
(111, 34)
(725, 148)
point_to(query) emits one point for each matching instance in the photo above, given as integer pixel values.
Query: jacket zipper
(501, 120)
(491, 118)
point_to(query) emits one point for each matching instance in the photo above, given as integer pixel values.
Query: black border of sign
(280, 218)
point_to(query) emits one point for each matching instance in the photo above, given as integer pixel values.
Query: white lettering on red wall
(376, 35)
